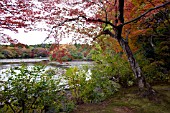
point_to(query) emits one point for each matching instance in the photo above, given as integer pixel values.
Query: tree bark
(140, 78)
(144, 87)
(133, 63)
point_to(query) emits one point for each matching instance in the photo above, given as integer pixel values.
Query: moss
(128, 101)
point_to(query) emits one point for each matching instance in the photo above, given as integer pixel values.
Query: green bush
(40, 52)
(154, 73)
(66, 58)
(112, 66)
(7, 53)
(76, 54)
(2, 56)
(32, 89)
(87, 87)
(154, 70)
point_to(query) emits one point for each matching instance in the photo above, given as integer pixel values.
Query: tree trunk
(142, 84)
(140, 78)
(134, 65)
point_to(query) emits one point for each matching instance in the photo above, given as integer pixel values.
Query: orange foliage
(59, 51)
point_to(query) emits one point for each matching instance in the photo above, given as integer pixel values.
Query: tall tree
(114, 17)
(91, 18)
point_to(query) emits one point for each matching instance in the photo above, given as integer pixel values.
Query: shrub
(66, 58)
(7, 53)
(2, 56)
(154, 70)
(31, 89)
(112, 66)
(154, 73)
(40, 52)
(88, 88)
(25, 53)
(76, 55)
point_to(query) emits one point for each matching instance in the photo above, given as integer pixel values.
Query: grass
(128, 101)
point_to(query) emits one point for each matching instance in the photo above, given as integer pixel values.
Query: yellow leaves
(138, 2)
(113, 44)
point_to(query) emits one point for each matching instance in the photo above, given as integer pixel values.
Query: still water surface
(6, 64)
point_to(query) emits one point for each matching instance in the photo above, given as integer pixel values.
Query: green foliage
(86, 87)
(40, 52)
(81, 51)
(153, 69)
(76, 81)
(163, 52)
(154, 73)
(112, 66)
(2, 56)
(7, 53)
(102, 85)
(32, 89)
(66, 58)
(76, 55)
(107, 27)
(154, 52)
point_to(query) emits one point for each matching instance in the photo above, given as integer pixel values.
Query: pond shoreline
(44, 60)
(25, 60)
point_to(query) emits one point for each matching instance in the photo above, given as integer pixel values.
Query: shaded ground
(128, 101)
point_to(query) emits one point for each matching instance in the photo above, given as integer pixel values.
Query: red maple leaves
(16, 14)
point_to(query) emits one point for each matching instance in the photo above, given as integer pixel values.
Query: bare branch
(99, 20)
(83, 17)
(105, 32)
(87, 19)
(105, 11)
(142, 15)
(109, 33)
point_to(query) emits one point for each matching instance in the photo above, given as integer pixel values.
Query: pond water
(33, 60)
(6, 64)
(9, 64)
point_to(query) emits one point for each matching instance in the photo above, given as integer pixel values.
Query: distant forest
(64, 52)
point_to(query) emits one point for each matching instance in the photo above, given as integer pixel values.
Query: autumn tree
(89, 19)
(16, 14)
(108, 17)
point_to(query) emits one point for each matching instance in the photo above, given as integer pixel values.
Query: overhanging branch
(109, 33)
(83, 17)
(142, 15)
(87, 19)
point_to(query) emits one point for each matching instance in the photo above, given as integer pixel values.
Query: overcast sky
(33, 37)
(37, 37)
